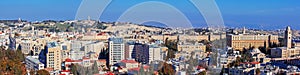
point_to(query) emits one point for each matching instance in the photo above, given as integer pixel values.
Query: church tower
(288, 37)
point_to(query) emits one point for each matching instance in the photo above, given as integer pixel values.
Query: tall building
(129, 50)
(288, 37)
(143, 53)
(287, 51)
(245, 41)
(53, 56)
(116, 50)
(155, 53)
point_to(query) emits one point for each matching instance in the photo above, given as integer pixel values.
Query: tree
(202, 73)
(192, 63)
(11, 62)
(257, 71)
(142, 71)
(43, 72)
(95, 68)
(20, 55)
(167, 69)
(74, 69)
(32, 72)
(222, 71)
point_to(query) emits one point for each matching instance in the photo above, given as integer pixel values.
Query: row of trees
(81, 70)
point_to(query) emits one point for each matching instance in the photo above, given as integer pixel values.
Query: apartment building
(53, 56)
(116, 50)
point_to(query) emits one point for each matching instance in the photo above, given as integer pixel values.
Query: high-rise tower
(288, 37)
(116, 50)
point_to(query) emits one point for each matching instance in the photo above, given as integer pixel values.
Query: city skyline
(262, 14)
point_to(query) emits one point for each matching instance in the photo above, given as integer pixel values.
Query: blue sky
(265, 14)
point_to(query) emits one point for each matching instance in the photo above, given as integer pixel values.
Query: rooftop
(33, 58)
(116, 40)
(52, 44)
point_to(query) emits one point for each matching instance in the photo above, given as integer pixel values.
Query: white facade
(155, 53)
(116, 50)
(32, 63)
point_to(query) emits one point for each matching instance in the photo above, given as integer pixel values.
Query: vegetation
(171, 44)
(167, 69)
(99, 25)
(43, 72)
(192, 63)
(172, 48)
(11, 62)
(202, 73)
(257, 71)
(81, 70)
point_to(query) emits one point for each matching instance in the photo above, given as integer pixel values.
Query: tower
(116, 50)
(244, 30)
(19, 20)
(89, 18)
(288, 37)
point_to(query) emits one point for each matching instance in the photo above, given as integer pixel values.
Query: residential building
(116, 50)
(53, 55)
(129, 50)
(129, 63)
(32, 63)
(155, 53)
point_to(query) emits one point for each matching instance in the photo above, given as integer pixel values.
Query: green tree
(141, 71)
(95, 68)
(74, 69)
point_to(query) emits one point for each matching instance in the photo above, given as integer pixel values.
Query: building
(129, 63)
(94, 47)
(141, 52)
(288, 37)
(155, 53)
(288, 50)
(116, 50)
(32, 63)
(189, 47)
(65, 50)
(77, 50)
(53, 55)
(246, 68)
(129, 48)
(238, 42)
(26, 46)
(144, 53)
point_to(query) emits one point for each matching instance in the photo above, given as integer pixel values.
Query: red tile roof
(70, 60)
(129, 61)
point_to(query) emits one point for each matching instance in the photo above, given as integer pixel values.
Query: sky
(259, 14)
